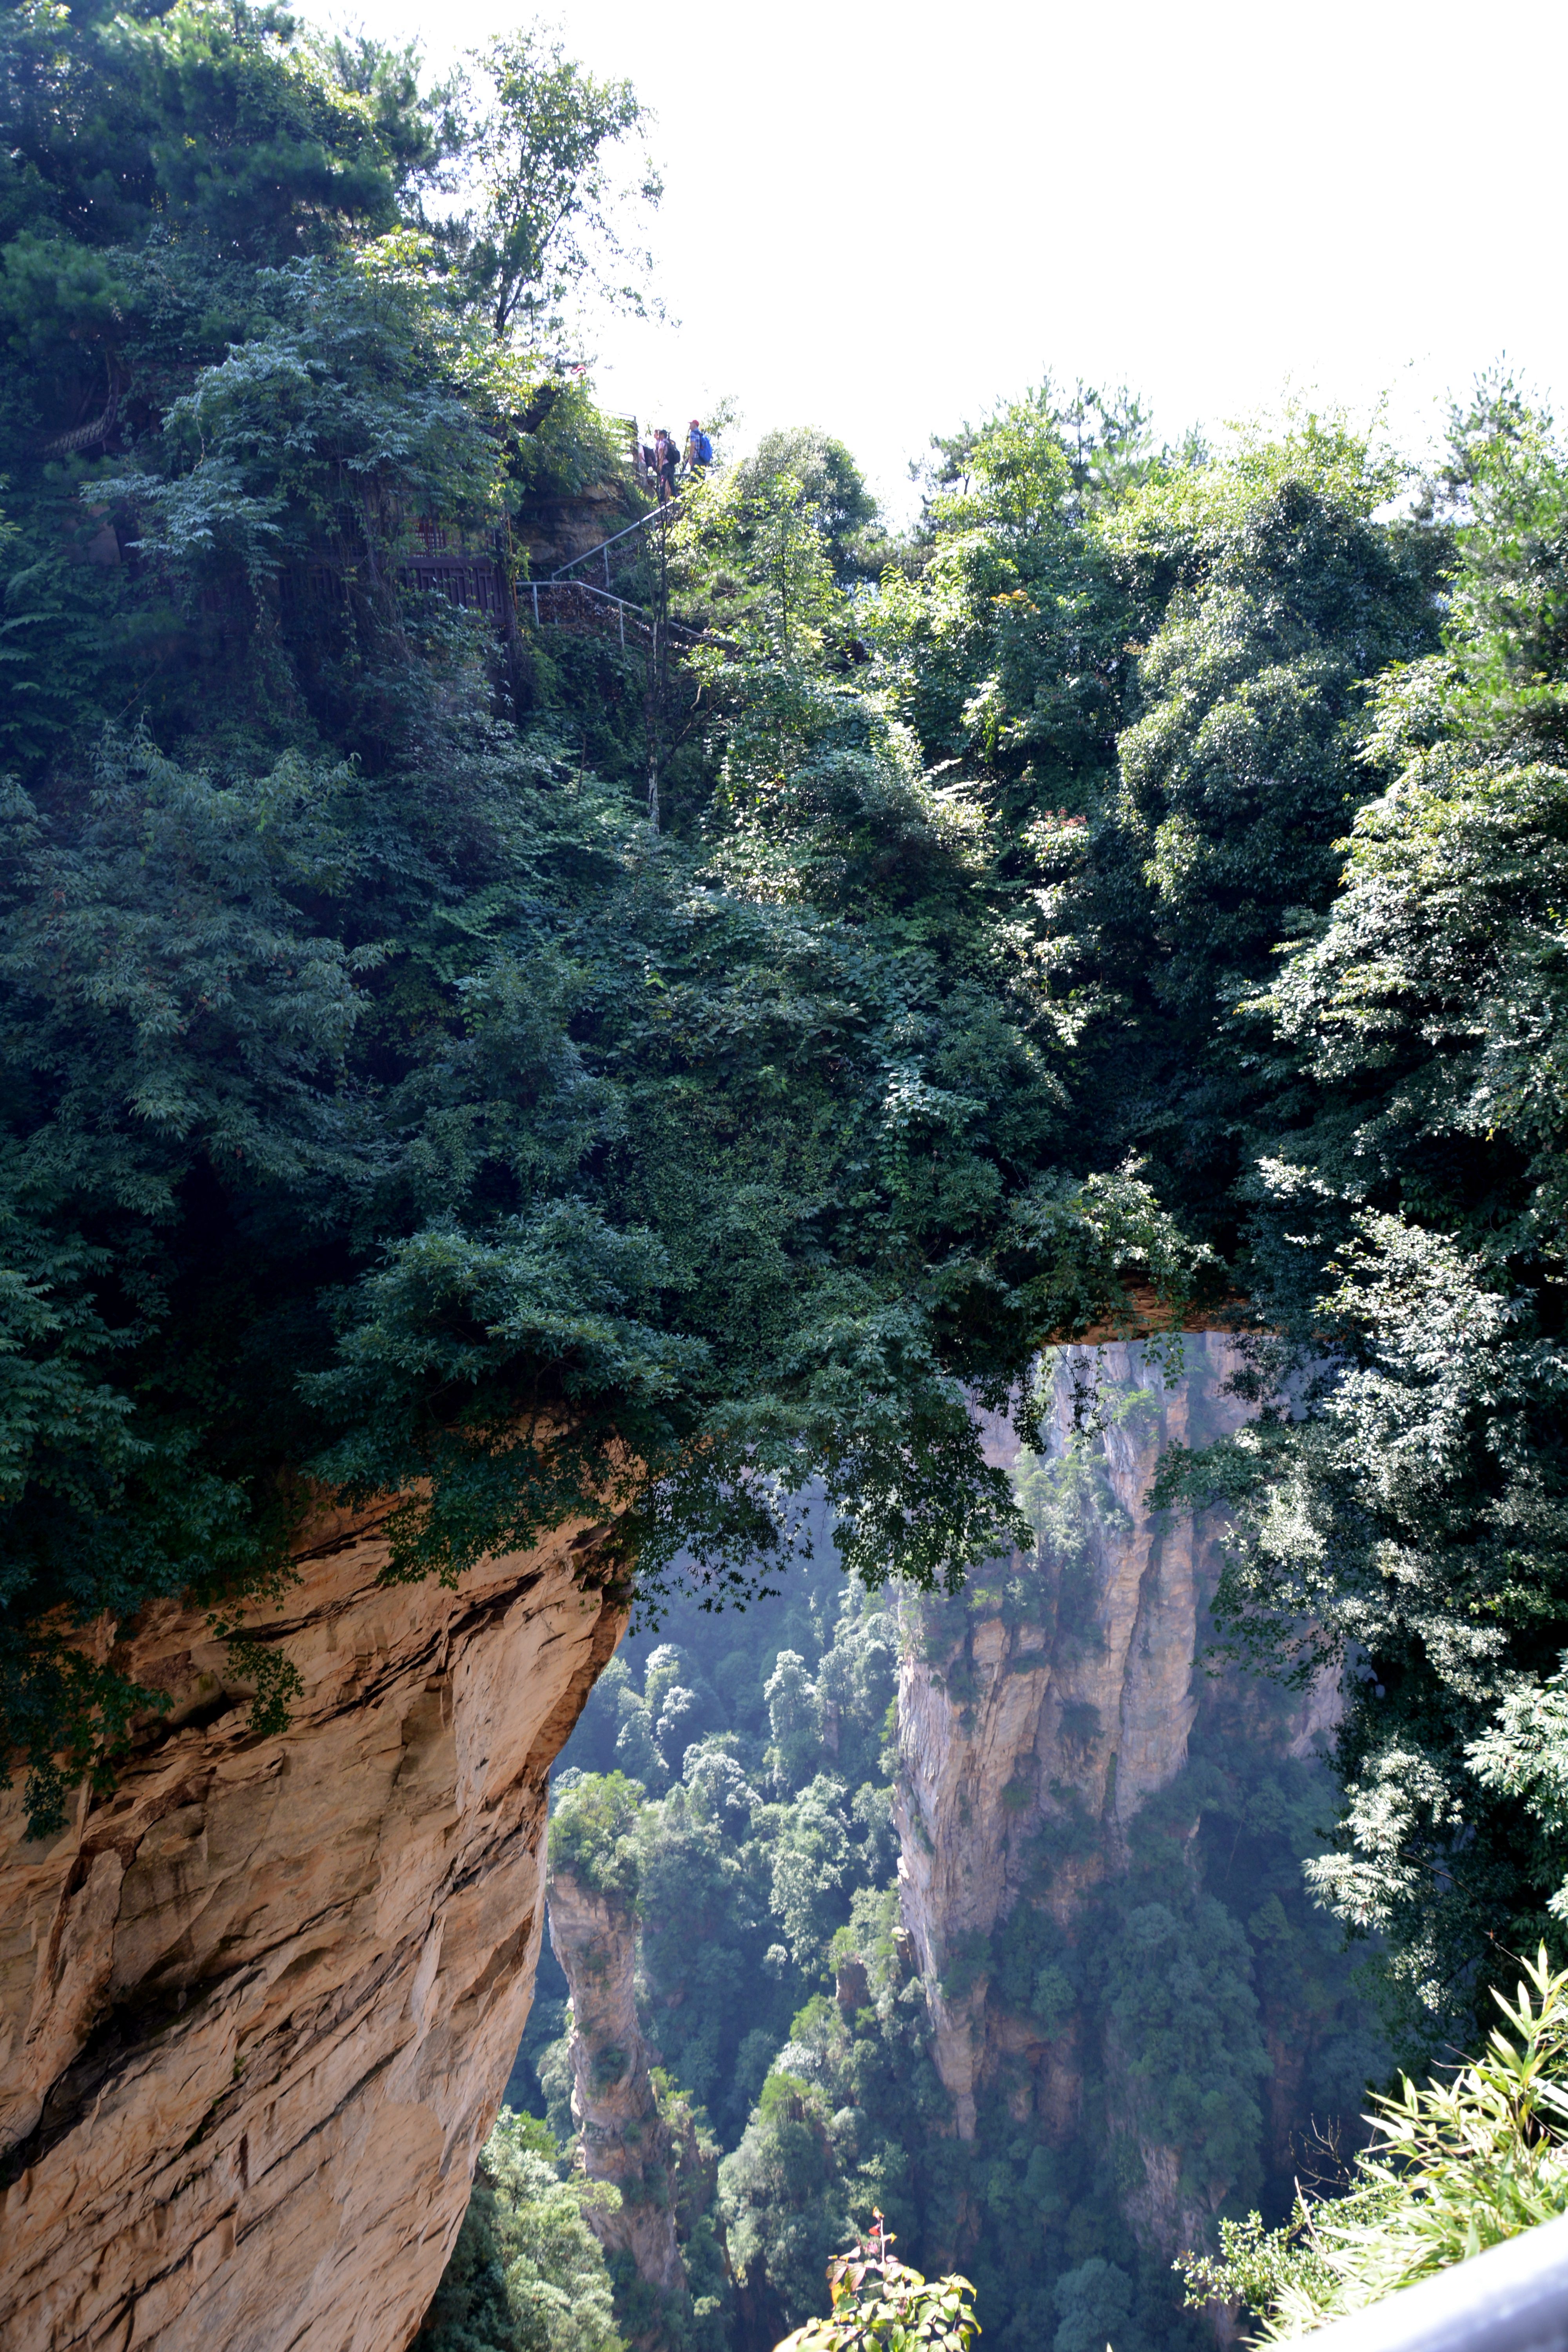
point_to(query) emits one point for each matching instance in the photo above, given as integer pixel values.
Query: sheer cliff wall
(624, 2139)
(1056, 1699)
(258, 2006)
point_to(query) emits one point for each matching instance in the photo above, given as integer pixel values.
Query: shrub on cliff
(880, 2304)
(593, 1833)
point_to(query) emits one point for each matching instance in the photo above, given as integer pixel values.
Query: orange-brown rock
(624, 2138)
(258, 2006)
(1096, 1693)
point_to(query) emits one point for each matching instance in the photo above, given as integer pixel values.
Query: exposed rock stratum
(624, 2139)
(1081, 1703)
(258, 2006)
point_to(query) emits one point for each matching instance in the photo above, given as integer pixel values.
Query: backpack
(704, 450)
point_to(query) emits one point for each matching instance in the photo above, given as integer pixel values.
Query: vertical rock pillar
(1052, 1702)
(625, 2141)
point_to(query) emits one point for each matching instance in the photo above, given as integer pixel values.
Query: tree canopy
(388, 1106)
(1141, 875)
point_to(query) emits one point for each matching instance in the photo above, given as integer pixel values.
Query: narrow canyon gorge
(261, 2002)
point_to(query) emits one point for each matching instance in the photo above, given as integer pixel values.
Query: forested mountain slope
(410, 1111)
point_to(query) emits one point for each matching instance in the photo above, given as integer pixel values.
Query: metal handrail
(1512, 2298)
(586, 588)
(603, 546)
(67, 445)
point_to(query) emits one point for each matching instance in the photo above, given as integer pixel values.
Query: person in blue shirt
(699, 449)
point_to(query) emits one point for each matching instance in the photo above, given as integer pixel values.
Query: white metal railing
(1512, 2298)
(604, 546)
(641, 616)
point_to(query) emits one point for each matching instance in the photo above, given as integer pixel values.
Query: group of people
(663, 461)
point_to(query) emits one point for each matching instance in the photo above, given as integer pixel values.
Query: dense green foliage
(385, 1101)
(536, 1077)
(732, 1784)
(526, 2274)
(1157, 673)
(1365, 1139)
(1228, 631)
(1342, 1076)
(1453, 2168)
(1407, 1230)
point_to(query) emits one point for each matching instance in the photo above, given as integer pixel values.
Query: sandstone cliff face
(1065, 1702)
(1093, 1694)
(257, 2007)
(624, 2139)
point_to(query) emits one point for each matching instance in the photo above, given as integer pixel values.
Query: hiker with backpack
(665, 462)
(699, 450)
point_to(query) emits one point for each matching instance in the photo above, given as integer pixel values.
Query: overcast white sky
(880, 218)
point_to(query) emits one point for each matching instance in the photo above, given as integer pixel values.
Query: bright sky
(879, 219)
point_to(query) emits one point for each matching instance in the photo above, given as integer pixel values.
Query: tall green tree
(832, 487)
(547, 213)
(1409, 1520)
